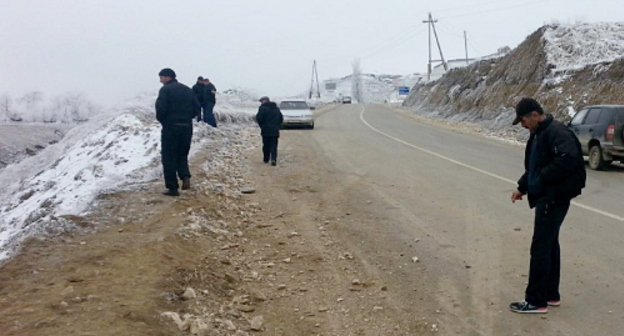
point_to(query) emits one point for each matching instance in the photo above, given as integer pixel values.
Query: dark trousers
(545, 264)
(269, 148)
(209, 117)
(175, 145)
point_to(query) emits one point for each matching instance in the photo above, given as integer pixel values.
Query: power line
(471, 5)
(403, 40)
(479, 52)
(481, 33)
(458, 36)
(494, 9)
(394, 39)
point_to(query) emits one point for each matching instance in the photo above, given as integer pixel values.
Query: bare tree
(70, 107)
(27, 107)
(356, 82)
(31, 99)
(5, 105)
(50, 114)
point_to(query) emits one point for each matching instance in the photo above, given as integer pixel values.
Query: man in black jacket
(554, 174)
(201, 92)
(211, 100)
(176, 106)
(270, 119)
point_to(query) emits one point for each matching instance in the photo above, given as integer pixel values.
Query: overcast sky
(113, 49)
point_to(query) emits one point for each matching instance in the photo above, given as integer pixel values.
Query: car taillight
(610, 132)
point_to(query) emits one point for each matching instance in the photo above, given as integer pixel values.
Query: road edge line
(478, 170)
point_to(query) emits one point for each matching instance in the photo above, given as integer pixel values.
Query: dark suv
(600, 131)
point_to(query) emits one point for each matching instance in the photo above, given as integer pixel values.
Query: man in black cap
(554, 174)
(176, 106)
(270, 119)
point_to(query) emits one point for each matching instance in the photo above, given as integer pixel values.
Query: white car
(297, 113)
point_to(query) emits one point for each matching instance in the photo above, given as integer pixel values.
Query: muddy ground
(281, 260)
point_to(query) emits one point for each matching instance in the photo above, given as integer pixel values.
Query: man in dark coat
(176, 106)
(211, 100)
(554, 174)
(201, 91)
(270, 119)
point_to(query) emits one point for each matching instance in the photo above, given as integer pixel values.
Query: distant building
(438, 70)
(375, 88)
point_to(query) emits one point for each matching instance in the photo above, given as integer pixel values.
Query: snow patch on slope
(110, 152)
(574, 46)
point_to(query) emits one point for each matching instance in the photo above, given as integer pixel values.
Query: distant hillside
(565, 67)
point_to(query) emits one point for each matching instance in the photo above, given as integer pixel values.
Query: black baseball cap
(526, 106)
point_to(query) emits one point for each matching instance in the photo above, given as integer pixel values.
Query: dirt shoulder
(279, 261)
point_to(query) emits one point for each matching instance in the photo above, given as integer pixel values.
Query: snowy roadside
(491, 129)
(112, 152)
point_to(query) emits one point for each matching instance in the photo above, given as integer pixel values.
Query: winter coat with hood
(559, 169)
(176, 104)
(270, 119)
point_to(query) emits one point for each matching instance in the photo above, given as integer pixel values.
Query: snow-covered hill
(109, 152)
(565, 67)
(573, 47)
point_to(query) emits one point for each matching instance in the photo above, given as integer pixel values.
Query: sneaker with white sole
(524, 307)
(554, 303)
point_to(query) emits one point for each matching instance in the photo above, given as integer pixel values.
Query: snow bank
(112, 151)
(572, 47)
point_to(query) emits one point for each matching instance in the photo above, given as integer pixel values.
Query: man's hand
(516, 196)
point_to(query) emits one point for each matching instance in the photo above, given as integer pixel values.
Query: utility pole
(466, 46)
(435, 33)
(315, 76)
(318, 85)
(431, 22)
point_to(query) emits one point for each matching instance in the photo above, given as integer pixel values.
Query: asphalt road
(444, 197)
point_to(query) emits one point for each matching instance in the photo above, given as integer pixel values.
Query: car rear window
(606, 117)
(593, 116)
(294, 105)
(620, 115)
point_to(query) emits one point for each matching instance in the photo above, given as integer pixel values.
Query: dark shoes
(554, 303)
(171, 192)
(273, 163)
(186, 183)
(524, 307)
